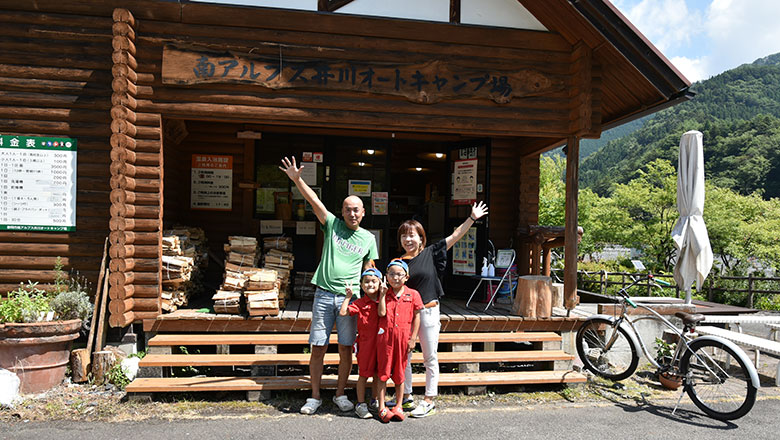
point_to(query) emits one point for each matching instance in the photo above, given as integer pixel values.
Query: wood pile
(262, 292)
(184, 260)
(281, 260)
(241, 257)
(303, 288)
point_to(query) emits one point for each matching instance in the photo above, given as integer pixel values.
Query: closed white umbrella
(694, 254)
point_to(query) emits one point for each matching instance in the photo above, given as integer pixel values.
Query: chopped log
(124, 57)
(123, 126)
(126, 169)
(534, 297)
(121, 320)
(120, 307)
(132, 157)
(135, 264)
(124, 99)
(79, 364)
(101, 365)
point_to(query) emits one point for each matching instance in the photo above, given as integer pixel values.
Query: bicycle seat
(690, 319)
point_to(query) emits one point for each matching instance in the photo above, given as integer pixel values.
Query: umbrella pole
(688, 295)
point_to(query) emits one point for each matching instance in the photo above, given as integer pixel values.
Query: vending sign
(37, 183)
(212, 182)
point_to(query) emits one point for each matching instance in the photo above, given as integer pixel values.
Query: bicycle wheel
(617, 363)
(717, 380)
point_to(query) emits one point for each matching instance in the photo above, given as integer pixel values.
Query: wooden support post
(264, 370)
(570, 250)
(468, 367)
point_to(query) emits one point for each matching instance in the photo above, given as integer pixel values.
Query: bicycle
(716, 374)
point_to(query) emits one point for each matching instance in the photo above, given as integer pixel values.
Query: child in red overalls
(397, 334)
(367, 309)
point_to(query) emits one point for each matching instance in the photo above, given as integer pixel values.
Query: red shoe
(386, 415)
(398, 413)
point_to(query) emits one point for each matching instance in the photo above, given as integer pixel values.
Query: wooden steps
(539, 355)
(265, 383)
(222, 360)
(303, 338)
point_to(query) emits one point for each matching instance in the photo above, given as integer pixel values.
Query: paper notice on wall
(360, 188)
(464, 182)
(305, 228)
(309, 173)
(270, 227)
(212, 182)
(463, 254)
(37, 183)
(379, 203)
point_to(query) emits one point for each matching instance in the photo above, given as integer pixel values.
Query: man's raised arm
(294, 173)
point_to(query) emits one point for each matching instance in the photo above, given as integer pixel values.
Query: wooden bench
(773, 329)
(756, 343)
(738, 320)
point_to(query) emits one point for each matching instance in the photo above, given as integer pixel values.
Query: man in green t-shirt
(346, 251)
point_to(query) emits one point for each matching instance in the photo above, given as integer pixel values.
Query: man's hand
(289, 168)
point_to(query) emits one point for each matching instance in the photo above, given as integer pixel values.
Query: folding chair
(504, 260)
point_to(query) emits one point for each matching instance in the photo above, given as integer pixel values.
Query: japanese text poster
(464, 182)
(212, 182)
(37, 183)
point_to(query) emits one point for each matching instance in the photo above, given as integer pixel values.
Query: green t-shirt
(343, 254)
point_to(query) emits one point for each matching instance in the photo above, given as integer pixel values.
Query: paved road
(599, 421)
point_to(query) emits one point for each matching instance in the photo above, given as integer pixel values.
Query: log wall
(55, 80)
(136, 188)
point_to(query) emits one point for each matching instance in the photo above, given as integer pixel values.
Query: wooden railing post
(750, 290)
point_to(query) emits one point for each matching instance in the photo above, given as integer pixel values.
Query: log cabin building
(148, 87)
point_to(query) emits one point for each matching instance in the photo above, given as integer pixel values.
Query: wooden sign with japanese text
(425, 83)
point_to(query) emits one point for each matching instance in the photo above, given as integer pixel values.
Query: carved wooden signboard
(425, 83)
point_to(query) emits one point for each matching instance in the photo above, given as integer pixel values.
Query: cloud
(695, 69)
(742, 31)
(669, 24)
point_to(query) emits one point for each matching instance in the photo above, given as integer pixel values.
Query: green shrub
(25, 304)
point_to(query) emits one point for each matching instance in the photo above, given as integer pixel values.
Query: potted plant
(667, 374)
(37, 328)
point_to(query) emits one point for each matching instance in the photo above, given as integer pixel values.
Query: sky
(703, 38)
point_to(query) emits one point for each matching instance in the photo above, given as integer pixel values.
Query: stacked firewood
(303, 288)
(241, 257)
(262, 292)
(280, 260)
(183, 262)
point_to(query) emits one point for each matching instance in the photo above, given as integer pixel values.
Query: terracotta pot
(37, 352)
(670, 381)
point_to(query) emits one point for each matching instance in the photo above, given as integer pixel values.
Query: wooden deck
(296, 318)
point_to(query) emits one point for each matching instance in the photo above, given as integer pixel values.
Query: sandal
(311, 406)
(385, 415)
(398, 413)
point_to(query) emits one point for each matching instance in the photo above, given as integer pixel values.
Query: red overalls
(395, 330)
(367, 327)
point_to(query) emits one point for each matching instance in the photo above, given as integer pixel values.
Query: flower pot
(37, 352)
(670, 381)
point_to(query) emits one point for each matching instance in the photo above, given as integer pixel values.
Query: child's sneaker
(373, 406)
(408, 403)
(362, 411)
(424, 409)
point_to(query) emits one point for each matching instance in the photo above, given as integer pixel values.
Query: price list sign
(37, 183)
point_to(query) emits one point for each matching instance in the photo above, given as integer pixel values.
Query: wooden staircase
(539, 352)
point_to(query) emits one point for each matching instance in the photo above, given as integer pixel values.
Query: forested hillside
(738, 113)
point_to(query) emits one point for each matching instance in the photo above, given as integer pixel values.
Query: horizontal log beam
(130, 237)
(51, 249)
(135, 211)
(133, 184)
(134, 251)
(139, 278)
(123, 196)
(134, 264)
(130, 170)
(134, 291)
(119, 307)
